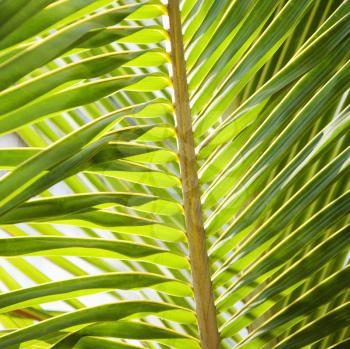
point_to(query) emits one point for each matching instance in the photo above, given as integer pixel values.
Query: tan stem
(202, 287)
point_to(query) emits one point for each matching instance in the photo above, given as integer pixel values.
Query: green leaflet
(9, 8)
(307, 59)
(275, 151)
(320, 144)
(220, 35)
(306, 232)
(135, 173)
(134, 152)
(262, 50)
(274, 121)
(291, 277)
(10, 158)
(17, 96)
(75, 96)
(342, 345)
(122, 223)
(79, 286)
(130, 330)
(211, 12)
(333, 171)
(93, 342)
(231, 42)
(334, 320)
(314, 298)
(108, 312)
(88, 247)
(22, 15)
(125, 34)
(13, 157)
(29, 171)
(50, 15)
(52, 46)
(40, 209)
(67, 11)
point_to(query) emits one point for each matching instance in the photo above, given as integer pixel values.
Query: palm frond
(181, 187)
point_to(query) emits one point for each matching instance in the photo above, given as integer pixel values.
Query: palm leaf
(174, 175)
